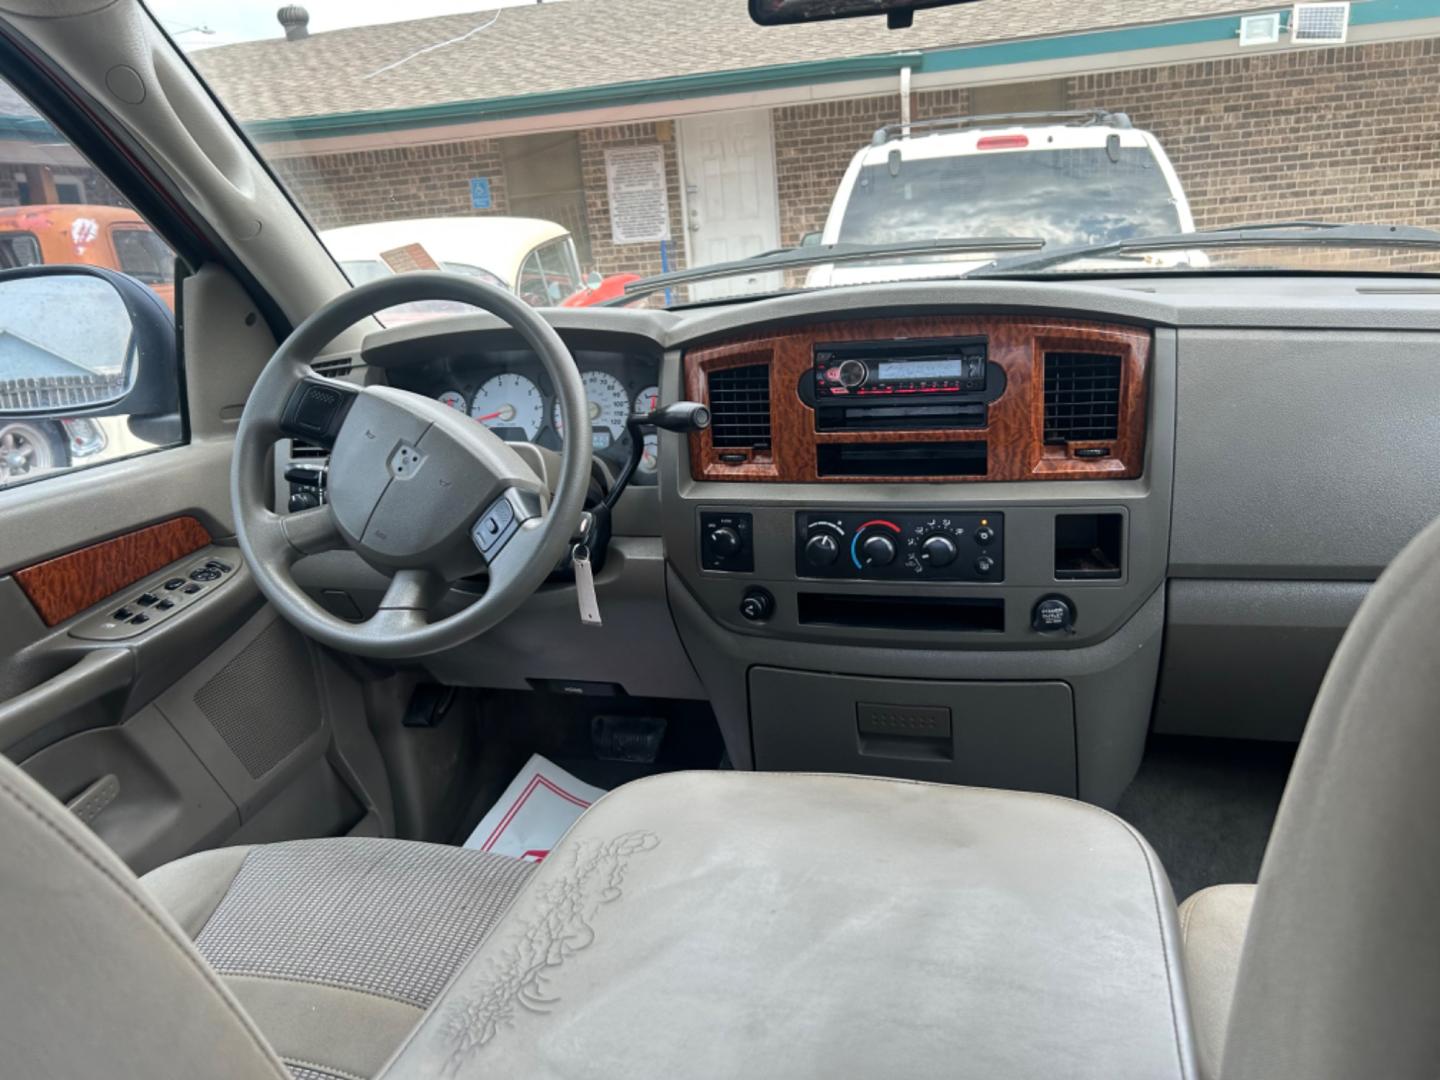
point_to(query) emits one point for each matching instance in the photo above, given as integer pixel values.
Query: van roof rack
(1068, 117)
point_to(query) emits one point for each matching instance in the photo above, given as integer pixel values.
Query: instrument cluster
(510, 393)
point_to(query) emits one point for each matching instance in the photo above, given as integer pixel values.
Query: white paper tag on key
(585, 585)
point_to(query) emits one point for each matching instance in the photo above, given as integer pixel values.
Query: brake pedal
(627, 738)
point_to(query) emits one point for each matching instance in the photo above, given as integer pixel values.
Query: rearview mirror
(84, 341)
(898, 13)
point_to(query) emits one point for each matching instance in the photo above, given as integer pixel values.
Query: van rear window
(19, 249)
(1075, 196)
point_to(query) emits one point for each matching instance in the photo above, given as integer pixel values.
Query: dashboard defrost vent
(1082, 397)
(740, 407)
(335, 368)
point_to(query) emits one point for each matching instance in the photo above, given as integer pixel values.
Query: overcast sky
(245, 20)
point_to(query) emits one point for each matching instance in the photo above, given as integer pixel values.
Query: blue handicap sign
(480, 192)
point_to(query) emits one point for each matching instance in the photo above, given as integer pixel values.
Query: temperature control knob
(877, 550)
(939, 551)
(822, 549)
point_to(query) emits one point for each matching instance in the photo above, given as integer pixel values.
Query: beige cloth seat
(337, 947)
(1212, 931)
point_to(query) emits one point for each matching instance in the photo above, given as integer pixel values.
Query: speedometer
(609, 408)
(511, 406)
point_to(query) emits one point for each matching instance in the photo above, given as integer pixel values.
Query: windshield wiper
(1279, 234)
(821, 254)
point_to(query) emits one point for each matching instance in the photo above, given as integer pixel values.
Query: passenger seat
(1212, 934)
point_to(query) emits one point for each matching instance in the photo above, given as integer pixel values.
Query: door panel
(730, 195)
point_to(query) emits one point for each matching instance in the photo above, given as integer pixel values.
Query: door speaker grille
(264, 703)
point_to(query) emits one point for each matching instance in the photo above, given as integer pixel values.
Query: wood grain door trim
(68, 584)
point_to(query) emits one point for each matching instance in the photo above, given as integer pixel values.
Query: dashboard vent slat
(334, 368)
(740, 407)
(1082, 397)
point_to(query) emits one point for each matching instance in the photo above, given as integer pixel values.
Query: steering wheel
(417, 489)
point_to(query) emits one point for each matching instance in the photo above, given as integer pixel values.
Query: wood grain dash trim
(68, 584)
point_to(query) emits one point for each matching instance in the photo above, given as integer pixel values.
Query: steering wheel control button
(900, 545)
(757, 605)
(727, 542)
(496, 526)
(1054, 615)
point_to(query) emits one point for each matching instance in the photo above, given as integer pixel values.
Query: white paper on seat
(539, 805)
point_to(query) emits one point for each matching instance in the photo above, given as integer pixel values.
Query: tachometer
(511, 406)
(609, 408)
(454, 398)
(648, 400)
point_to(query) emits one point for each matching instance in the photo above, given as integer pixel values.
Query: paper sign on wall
(639, 200)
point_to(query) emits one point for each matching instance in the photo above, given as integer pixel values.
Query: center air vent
(1082, 397)
(740, 407)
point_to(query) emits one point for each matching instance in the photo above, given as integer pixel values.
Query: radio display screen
(930, 368)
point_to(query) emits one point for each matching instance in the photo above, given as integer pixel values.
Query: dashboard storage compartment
(902, 459)
(1017, 735)
(953, 614)
(1088, 547)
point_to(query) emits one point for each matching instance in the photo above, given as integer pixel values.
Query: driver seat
(724, 924)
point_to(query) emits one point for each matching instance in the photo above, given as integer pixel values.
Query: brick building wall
(399, 182)
(1347, 133)
(1343, 133)
(814, 145)
(606, 256)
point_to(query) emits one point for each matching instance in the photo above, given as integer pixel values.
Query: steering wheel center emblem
(405, 462)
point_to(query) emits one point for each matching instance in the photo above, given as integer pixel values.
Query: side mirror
(594, 280)
(85, 341)
(811, 239)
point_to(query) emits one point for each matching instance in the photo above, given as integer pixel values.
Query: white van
(1065, 178)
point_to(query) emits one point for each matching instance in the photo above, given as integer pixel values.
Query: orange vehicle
(109, 236)
(114, 237)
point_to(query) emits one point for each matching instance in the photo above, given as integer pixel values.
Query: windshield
(573, 147)
(1061, 196)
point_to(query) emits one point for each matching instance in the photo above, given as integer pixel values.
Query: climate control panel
(884, 546)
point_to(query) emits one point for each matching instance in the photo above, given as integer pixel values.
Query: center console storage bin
(989, 734)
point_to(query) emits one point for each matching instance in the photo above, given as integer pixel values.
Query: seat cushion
(336, 947)
(1212, 929)
(728, 924)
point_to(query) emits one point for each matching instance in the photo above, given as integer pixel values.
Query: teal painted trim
(1159, 36)
(1131, 39)
(27, 128)
(586, 97)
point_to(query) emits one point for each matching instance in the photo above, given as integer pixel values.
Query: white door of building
(730, 198)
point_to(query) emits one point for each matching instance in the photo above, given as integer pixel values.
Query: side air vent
(334, 368)
(1082, 397)
(740, 407)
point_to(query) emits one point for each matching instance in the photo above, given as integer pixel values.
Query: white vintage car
(532, 258)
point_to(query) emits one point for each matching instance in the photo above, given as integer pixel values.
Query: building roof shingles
(582, 43)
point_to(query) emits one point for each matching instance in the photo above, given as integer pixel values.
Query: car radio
(902, 385)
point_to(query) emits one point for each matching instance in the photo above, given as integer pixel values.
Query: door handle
(97, 673)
